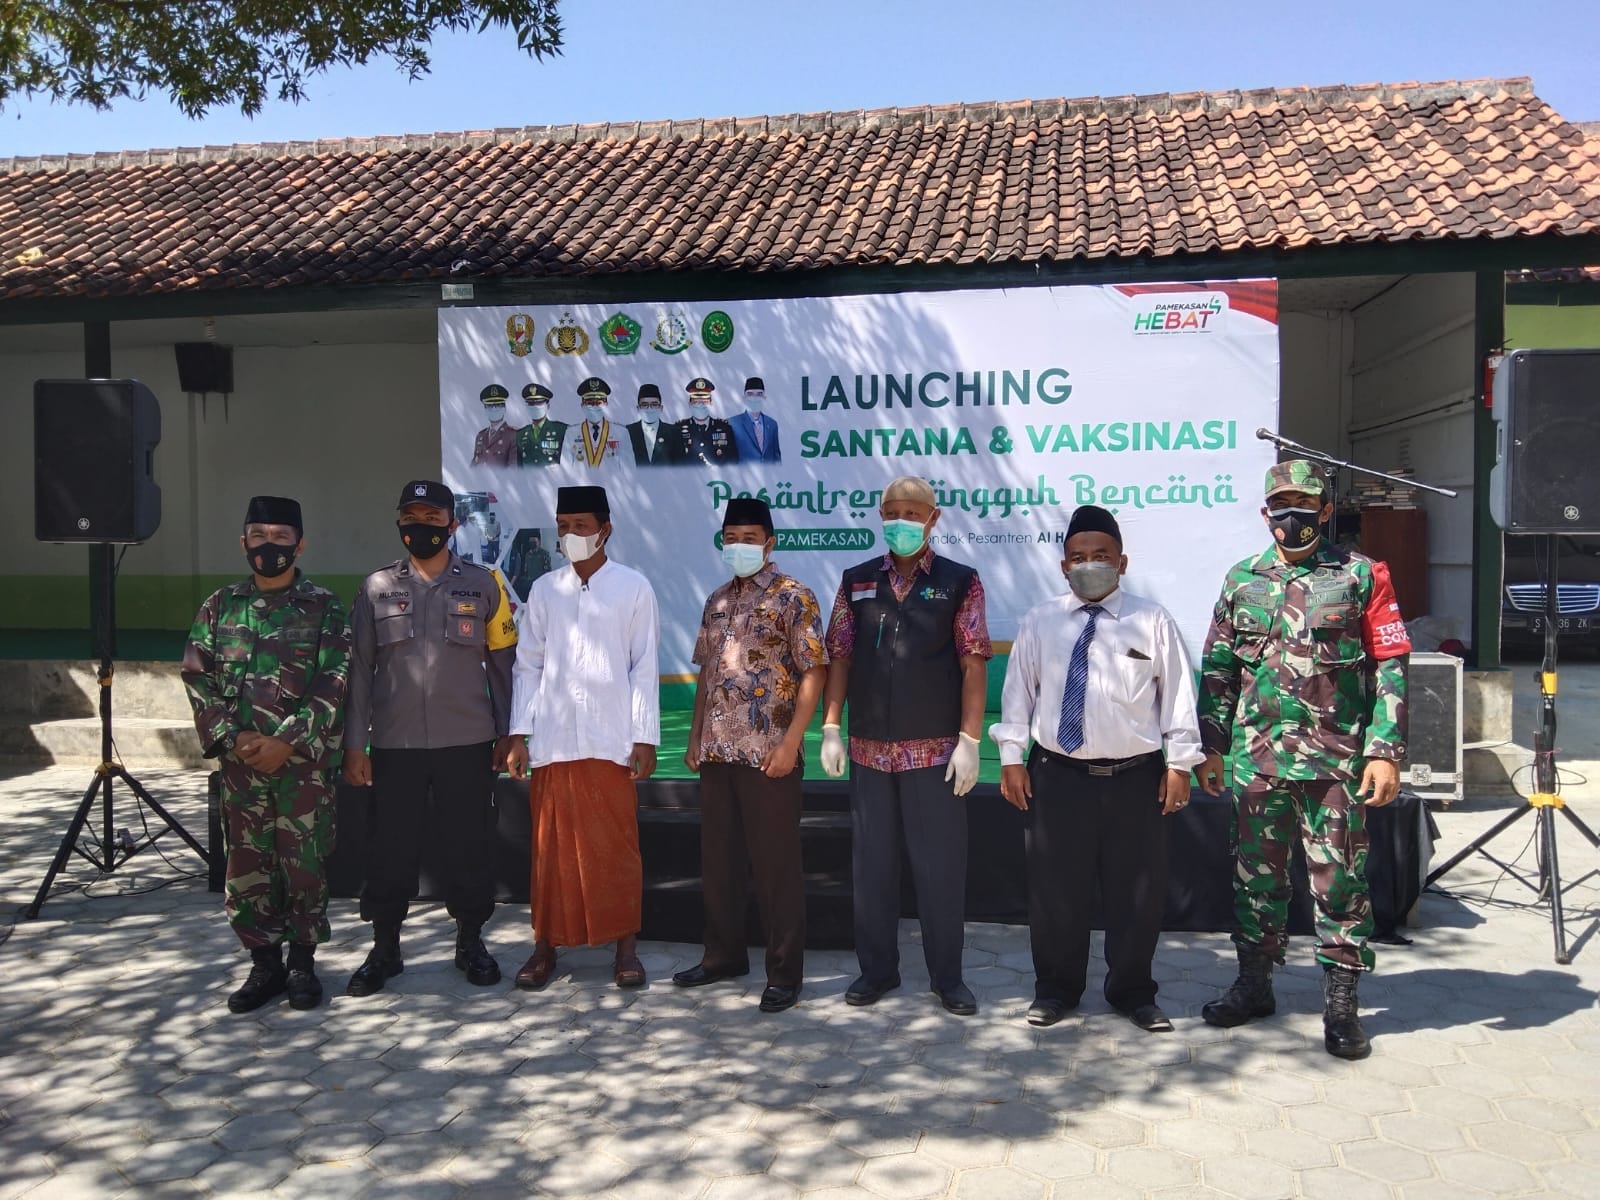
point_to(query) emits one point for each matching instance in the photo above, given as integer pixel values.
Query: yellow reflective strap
(1546, 800)
(1547, 682)
(501, 629)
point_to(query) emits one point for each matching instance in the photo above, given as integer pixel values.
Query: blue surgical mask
(905, 538)
(743, 559)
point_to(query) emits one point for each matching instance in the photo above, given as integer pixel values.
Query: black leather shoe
(303, 986)
(383, 963)
(777, 998)
(699, 975)
(1150, 1018)
(1047, 1011)
(957, 999)
(863, 991)
(267, 981)
(473, 957)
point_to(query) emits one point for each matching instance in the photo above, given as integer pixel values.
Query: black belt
(1100, 767)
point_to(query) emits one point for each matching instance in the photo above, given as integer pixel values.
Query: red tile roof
(1016, 182)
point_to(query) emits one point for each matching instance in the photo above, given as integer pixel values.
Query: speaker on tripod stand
(94, 446)
(1544, 482)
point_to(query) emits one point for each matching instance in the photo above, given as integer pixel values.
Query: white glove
(833, 760)
(963, 766)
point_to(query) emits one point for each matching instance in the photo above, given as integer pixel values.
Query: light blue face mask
(905, 538)
(743, 559)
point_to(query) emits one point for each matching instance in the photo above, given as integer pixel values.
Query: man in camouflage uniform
(1306, 655)
(265, 669)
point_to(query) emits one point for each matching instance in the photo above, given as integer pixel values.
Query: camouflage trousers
(279, 833)
(1331, 824)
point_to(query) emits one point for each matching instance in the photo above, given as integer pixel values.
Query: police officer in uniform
(265, 669)
(496, 443)
(430, 691)
(539, 444)
(1306, 657)
(703, 438)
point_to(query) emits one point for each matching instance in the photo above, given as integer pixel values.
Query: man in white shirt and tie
(586, 695)
(1100, 683)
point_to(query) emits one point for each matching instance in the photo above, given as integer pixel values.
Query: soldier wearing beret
(652, 441)
(703, 438)
(496, 443)
(265, 668)
(539, 443)
(1306, 659)
(597, 441)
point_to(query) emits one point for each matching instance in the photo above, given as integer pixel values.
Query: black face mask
(1295, 528)
(424, 541)
(269, 560)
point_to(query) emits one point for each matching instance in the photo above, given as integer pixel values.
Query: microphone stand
(1331, 466)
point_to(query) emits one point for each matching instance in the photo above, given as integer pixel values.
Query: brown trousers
(747, 817)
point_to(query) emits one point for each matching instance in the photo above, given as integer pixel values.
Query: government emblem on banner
(519, 334)
(716, 331)
(620, 334)
(566, 338)
(672, 334)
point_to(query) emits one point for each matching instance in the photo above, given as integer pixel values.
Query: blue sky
(692, 58)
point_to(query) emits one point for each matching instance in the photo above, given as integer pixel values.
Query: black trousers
(1081, 828)
(745, 816)
(442, 798)
(921, 807)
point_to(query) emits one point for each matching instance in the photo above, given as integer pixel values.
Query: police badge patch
(566, 338)
(519, 334)
(620, 334)
(716, 331)
(672, 334)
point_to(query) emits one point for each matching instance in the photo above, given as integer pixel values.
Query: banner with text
(1017, 406)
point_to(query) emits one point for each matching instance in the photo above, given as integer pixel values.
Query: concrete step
(142, 743)
(54, 690)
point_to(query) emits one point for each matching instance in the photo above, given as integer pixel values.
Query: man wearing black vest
(908, 647)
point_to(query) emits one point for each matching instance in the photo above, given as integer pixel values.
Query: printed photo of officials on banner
(1016, 406)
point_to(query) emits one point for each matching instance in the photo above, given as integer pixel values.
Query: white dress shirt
(1140, 695)
(586, 682)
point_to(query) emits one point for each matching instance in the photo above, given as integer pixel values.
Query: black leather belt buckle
(1102, 771)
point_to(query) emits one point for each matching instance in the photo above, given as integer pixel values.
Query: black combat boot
(305, 989)
(266, 980)
(1251, 993)
(1342, 1034)
(473, 957)
(383, 962)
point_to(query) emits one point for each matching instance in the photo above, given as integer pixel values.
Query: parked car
(1577, 593)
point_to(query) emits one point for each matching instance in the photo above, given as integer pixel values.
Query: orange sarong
(587, 882)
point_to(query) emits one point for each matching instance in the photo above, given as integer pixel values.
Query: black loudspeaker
(1433, 765)
(1547, 413)
(93, 445)
(204, 367)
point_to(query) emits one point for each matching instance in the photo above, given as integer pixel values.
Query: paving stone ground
(123, 1073)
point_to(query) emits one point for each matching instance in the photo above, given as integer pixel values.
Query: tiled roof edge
(870, 118)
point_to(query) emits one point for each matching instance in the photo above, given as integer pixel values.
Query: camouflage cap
(1296, 475)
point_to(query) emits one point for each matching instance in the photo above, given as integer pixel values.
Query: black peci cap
(747, 510)
(1091, 518)
(274, 510)
(570, 501)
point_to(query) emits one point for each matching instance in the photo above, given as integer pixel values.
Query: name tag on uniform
(863, 591)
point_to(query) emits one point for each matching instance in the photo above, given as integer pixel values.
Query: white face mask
(580, 547)
(700, 408)
(538, 411)
(595, 413)
(650, 414)
(497, 416)
(755, 401)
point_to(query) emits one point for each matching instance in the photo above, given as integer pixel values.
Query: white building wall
(1413, 379)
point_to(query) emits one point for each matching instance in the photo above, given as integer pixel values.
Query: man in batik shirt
(762, 667)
